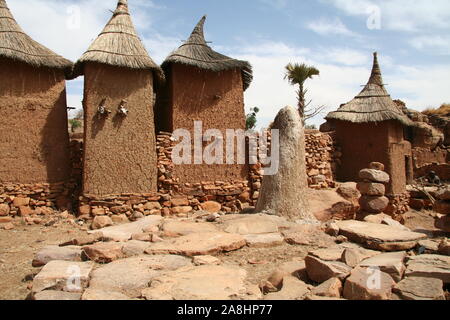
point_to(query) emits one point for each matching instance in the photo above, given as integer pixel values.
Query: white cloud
(401, 15)
(328, 26)
(432, 43)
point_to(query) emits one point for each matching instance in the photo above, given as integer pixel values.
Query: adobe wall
(216, 99)
(362, 144)
(119, 152)
(34, 141)
(424, 157)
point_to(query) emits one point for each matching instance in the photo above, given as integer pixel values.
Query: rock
(5, 219)
(444, 247)
(418, 288)
(96, 295)
(205, 260)
(442, 207)
(353, 256)
(378, 236)
(21, 202)
(101, 222)
(180, 202)
(202, 283)
(84, 240)
(53, 295)
(98, 211)
(211, 206)
(124, 232)
(136, 216)
(429, 266)
(266, 240)
(349, 191)
(430, 246)
(67, 276)
(120, 218)
(443, 194)
(142, 237)
(258, 224)
(8, 226)
(332, 229)
(181, 210)
(292, 289)
(373, 204)
(395, 224)
(51, 253)
(129, 276)
(320, 271)
(331, 288)
(134, 248)
(307, 235)
(25, 211)
(152, 206)
(84, 210)
(376, 166)
(374, 176)
(196, 244)
(328, 254)
(103, 252)
(4, 209)
(371, 188)
(328, 205)
(120, 209)
(296, 268)
(283, 192)
(183, 228)
(443, 223)
(368, 284)
(212, 217)
(391, 263)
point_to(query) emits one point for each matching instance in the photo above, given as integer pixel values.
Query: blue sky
(337, 36)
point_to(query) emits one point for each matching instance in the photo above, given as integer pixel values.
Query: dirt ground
(19, 246)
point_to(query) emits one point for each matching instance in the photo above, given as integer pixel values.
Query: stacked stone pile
(442, 206)
(322, 158)
(373, 189)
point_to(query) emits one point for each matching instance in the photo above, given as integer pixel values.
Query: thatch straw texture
(119, 45)
(196, 52)
(15, 44)
(373, 104)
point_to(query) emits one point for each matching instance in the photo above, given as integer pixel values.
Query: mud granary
(34, 141)
(203, 85)
(119, 96)
(370, 128)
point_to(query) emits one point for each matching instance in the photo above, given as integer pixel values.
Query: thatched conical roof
(196, 52)
(15, 44)
(373, 104)
(119, 45)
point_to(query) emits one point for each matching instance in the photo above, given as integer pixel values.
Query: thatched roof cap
(15, 44)
(196, 52)
(119, 45)
(373, 104)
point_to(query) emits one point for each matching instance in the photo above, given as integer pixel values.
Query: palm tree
(297, 74)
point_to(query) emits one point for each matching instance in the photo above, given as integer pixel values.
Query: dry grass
(444, 110)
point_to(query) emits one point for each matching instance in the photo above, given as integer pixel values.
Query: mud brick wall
(423, 157)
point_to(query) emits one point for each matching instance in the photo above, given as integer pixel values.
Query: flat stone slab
(134, 248)
(202, 283)
(307, 234)
(362, 284)
(53, 295)
(266, 240)
(379, 236)
(293, 289)
(103, 252)
(196, 244)
(329, 254)
(66, 276)
(183, 228)
(419, 288)
(129, 276)
(392, 263)
(320, 270)
(252, 224)
(429, 266)
(125, 231)
(51, 253)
